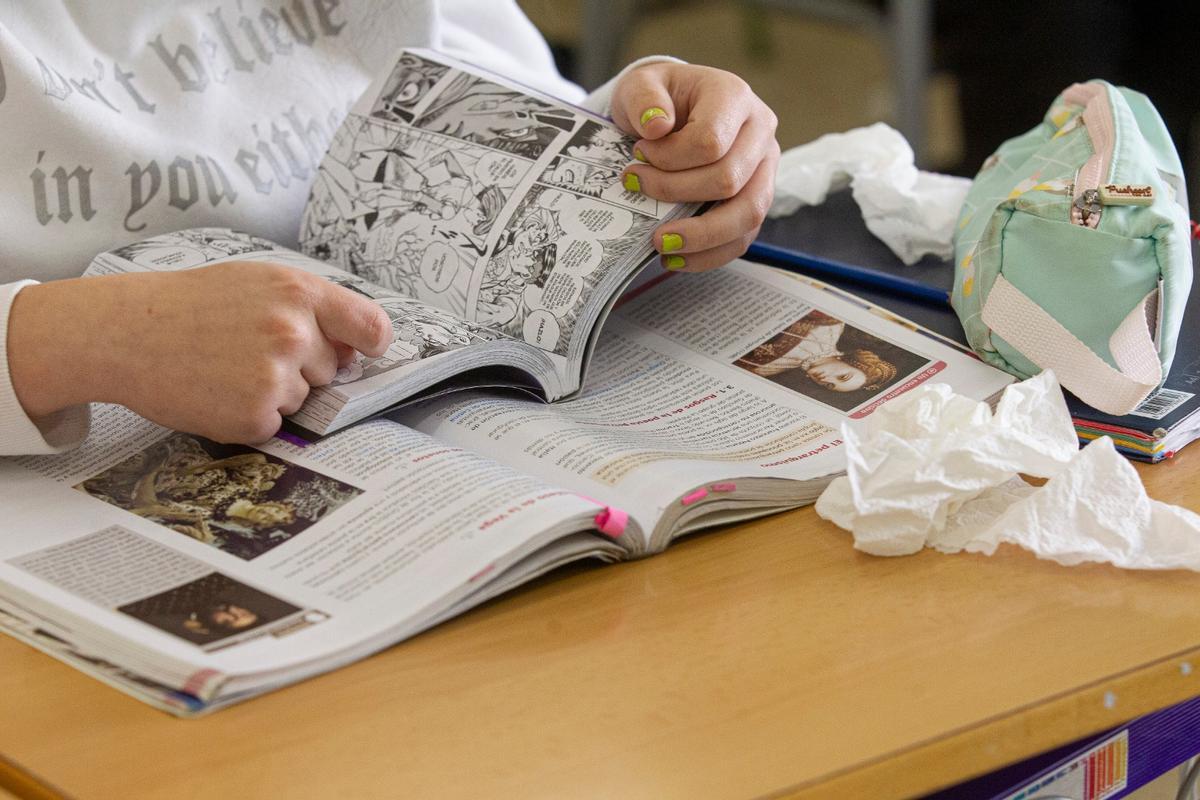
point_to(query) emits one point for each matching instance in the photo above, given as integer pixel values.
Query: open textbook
(193, 574)
(487, 220)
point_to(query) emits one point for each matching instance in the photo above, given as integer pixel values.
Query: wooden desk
(769, 659)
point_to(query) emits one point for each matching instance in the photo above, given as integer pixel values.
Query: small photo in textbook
(235, 498)
(211, 610)
(827, 360)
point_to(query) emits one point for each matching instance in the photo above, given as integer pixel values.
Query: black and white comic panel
(601, 145)
(407, 209)
(120, 570)
(578, 176)
(600, 182)
(476, 110)
(235, 498)
(192, 248)
(411, 80)
(556, 248)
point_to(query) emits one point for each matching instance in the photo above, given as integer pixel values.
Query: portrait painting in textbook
(210, 609)
(827, 360)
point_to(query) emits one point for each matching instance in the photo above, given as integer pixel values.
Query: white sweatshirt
(124, 119)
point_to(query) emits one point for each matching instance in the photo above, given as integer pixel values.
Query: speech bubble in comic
(532, 296)
(578, 256)
(616, 193)
(541, 329)
(439, 265)
(498, 169)
(170, 257)
(561, 293)
(597, 220)
(556, 200)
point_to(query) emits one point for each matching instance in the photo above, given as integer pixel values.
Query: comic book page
(487, 200)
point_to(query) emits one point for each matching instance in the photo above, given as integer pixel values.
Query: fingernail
(640, 156)
(674, 262)
(672, 242)
(652, 113)
(632, 183)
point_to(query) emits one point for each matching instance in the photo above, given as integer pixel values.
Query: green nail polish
(632, 183)
(638, 155)
(652, 113)
(672, 242)
(675, 262)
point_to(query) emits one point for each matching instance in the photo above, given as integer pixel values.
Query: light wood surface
(764, 660)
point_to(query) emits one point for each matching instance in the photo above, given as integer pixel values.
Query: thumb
(642, 105)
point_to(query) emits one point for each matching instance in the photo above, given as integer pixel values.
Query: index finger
(712, 125)
(347, 317)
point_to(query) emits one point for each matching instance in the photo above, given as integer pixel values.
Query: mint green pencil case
(1073, 249)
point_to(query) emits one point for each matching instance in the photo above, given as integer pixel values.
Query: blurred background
(957, 78)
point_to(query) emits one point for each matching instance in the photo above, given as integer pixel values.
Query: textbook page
(704, 381)
(487, 199)
(423, 334)
(239, 559)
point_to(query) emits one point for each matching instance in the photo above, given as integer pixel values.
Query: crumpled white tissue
(935, 469)
(912, 211)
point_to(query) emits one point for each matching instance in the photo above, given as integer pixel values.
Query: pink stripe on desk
(695, 496)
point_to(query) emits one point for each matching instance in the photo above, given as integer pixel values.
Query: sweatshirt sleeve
(20, 435)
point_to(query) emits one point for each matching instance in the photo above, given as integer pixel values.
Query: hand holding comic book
(504, 210)
(704, 136)
(487, 222)
(258, 336)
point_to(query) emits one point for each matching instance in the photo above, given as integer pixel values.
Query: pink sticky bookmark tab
(723, 487)
(612, 521)
(694, 497)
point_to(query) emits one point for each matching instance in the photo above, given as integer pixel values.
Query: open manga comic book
(192, 574)
(487, 220)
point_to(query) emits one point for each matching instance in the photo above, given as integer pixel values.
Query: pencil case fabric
(1072, 250)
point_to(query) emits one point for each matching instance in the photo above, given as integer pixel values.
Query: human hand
(223, 351)
(704, 136)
